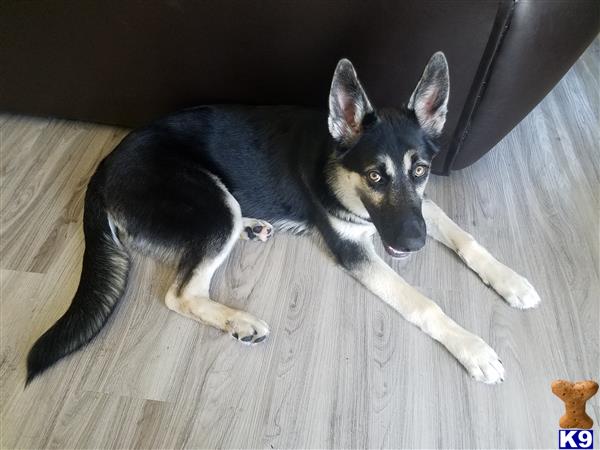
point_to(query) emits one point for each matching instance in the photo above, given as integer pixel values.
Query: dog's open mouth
(395, 253)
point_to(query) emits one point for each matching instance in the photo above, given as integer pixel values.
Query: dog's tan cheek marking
(374, 197)
(346, 185)
(364, 190)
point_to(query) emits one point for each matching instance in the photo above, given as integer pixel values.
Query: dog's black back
(259, 153)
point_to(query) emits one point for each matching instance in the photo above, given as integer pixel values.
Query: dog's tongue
(395, 253)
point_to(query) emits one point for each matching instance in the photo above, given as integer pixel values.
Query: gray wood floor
(341, 369)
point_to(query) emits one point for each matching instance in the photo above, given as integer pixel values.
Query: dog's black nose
(411, 235)
(412, 244)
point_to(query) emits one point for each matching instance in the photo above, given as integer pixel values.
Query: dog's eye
(374, 176)
(420, 171)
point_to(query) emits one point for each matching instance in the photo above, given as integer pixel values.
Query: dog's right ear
(348, 104)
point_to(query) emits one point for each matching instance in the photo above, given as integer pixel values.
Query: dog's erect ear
(429, 101)
(348, 104)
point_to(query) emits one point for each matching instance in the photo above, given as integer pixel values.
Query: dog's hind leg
(189, 295)
(194, 302)
(515, 289)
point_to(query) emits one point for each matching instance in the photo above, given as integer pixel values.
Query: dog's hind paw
(256, 230)
(247, 329)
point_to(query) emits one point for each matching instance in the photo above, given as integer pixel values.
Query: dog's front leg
(480, 360)
(515, 289)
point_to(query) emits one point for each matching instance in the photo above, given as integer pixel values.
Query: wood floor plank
(54, 173)
(340, 369)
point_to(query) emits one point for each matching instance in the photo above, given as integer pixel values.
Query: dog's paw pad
(256, 230)
(516, 290)
(247, 329)
(481, 361)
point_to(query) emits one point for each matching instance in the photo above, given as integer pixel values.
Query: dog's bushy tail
(103, 280)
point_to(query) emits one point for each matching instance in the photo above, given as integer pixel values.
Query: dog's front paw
(247, 329)
(480, 360)
(515, 289)
(256, 230)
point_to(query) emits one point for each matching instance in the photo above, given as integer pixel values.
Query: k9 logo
(568, 439)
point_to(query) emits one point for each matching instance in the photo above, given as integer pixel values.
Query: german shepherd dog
(185, 188)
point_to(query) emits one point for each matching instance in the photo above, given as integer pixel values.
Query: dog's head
(382, 160)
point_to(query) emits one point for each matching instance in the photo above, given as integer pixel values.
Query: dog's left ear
(348, 105)
(429, 101)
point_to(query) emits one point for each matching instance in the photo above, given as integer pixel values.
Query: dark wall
(126, 62)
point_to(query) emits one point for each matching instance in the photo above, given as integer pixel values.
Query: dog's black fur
(156, 191)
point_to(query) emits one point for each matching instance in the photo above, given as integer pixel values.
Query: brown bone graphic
(575, 395)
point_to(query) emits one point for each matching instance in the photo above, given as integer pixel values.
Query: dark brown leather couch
(126, 62)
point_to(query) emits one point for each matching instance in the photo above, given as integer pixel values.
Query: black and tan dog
(185, 188)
